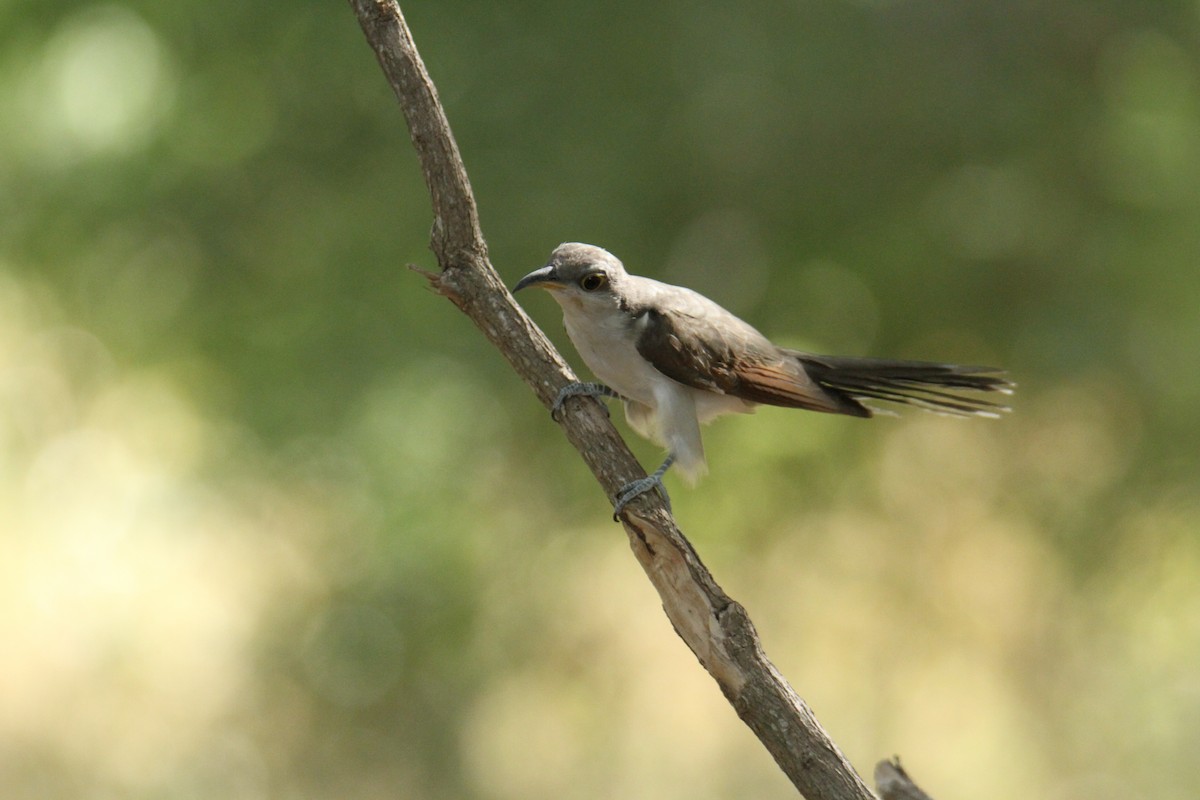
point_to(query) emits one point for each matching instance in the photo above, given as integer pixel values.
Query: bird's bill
(543, 277)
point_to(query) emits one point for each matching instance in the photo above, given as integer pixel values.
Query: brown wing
(694, 341)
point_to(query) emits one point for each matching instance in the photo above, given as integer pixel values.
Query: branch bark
(717, 629)
(894, 784)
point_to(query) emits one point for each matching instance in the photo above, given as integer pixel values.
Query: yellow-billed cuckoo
(677, 360)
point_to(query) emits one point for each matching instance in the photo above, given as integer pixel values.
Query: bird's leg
(643, 485)
(580, 389)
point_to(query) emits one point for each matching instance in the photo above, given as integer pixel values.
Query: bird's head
(579, 275)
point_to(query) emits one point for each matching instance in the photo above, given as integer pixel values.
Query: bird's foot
(639, 487)
(633, 489)
(579, 389)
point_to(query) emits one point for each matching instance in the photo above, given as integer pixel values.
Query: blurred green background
(276, 522)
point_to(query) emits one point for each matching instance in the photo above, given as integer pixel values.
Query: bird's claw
(579, 389)
(639, 487)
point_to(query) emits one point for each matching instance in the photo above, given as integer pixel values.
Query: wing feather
(694, 341)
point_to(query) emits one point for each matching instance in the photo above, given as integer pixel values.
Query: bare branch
(893, 782)
(716, 628)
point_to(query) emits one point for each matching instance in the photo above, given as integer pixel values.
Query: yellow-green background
(276, 522)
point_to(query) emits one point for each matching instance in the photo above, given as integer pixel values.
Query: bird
(678, 360)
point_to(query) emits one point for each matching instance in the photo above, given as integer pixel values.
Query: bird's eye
(593, 281)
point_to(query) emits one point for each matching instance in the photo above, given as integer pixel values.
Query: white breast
(657, 407)
(608, 346)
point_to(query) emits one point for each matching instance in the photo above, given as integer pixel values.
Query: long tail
(933, 387)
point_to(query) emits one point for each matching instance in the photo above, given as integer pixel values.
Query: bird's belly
(710, 405)
(610, 353)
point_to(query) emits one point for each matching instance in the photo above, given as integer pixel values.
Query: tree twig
(893, 782)
(716, 628)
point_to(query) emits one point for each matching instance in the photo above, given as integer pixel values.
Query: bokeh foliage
(276, 522)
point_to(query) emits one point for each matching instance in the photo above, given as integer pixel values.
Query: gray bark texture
(716, 628)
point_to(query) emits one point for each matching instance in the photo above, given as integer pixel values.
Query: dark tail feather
(933, 387)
